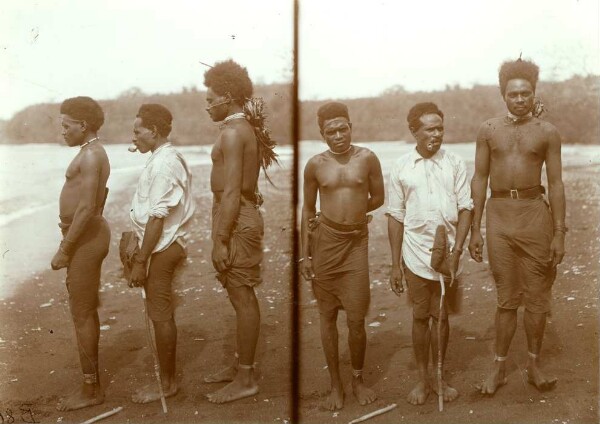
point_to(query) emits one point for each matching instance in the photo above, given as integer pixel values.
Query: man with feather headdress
(242, 148)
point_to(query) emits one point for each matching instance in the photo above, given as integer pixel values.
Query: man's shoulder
(93, 156)
(402, 160)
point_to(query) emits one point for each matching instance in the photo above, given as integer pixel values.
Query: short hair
(229, 77)
(522, 69)
(83, 108)
(155, 115)
(420, 109)
(332, 110)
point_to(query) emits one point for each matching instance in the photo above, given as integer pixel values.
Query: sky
(54, 49)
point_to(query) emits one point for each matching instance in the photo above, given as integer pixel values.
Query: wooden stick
(439, 334)
(104, 415)
(373, 414)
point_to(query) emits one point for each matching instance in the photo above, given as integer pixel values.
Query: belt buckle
(514, 194)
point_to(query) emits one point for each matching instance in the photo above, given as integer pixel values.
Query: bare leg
(244, 383)
(226, 374)
(87, 330)
(506, 324)
(449, 392)
(535, 325)
(357, 342)
(329, 340)
(166, 345)
(421, 336)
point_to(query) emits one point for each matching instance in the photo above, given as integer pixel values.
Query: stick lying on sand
(104, 415)
(373, 414)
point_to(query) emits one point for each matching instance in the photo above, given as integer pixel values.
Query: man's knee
(242, 297)
(356, 325)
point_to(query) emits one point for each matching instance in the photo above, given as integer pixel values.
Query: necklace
(89, 141)
(239, 115)
(341, 153)
(516, 119)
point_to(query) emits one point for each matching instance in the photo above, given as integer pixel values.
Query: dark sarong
(83, 271)
(245, 246)
(340, 261)
(519, 234)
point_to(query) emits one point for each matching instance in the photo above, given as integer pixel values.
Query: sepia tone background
(378, 57)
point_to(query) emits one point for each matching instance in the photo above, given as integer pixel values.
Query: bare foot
(150, 393)
(495, 380)
(242, 386)
(450, 393)
(419, 394)
(82, 397)
(334, 400)
(539, 379)
(363, 394)
(227, 374)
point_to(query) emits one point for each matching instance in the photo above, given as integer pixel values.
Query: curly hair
(331, 110)
(420, 109)
(522, 69)
(229, 77)
(155, 115)
(83, 108)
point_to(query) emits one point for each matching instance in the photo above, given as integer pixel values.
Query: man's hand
(60, 260)
(476, 245)
(138, 274)
(306, 269)
(453, 262)
(220, 256)
(397, 280)
(557, 248)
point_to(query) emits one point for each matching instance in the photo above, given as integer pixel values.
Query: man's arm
(152, 233)
(89, 171)
(310, 188)
(479, 185)
(556, 195)
(396, 213)
(376, 189)
(232, 149)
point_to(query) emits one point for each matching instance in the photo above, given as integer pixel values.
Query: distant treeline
(191, 124)
(573, 106)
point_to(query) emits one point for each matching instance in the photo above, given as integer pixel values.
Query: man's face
(143, 138)
(519, 96)
(218, 106)
(73, 130)
(337, 133)
(430, 135)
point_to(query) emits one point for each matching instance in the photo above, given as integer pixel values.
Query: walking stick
(163, 401)
(439, 337)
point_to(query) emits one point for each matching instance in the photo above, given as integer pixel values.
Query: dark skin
(148, 140)
(429, 137)
(234, 172)
(349, 186)
(81, 197)
(511, 156)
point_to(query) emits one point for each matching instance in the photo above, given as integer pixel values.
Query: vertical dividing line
(295, 351)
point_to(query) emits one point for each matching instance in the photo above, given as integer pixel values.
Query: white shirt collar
(157, 151)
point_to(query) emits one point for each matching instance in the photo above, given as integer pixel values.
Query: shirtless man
(237, 226)
(86, 238)
(161, 212)
(525, 238)
(349, 183)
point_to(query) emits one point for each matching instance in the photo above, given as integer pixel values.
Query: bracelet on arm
(302, 259)
(560, 229)
(67, 247)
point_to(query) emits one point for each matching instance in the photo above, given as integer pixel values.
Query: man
(525, 238)
(349, 183)
(428, 188)
(86, 238)
(237, 226)
(161, 213)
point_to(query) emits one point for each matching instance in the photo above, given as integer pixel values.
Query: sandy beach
(38, 361)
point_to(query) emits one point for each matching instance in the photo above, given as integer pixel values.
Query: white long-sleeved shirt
(164, 191)
(424, 193)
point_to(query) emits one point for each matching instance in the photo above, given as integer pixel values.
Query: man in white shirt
(161, 211)
(428, 187)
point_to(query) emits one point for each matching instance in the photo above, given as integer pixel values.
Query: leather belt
(526, 193)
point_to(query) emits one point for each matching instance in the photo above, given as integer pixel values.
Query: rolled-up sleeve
(396, 205)
(165, 193)
(462, 187)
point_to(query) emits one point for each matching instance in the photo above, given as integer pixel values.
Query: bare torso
(517, 152)
(71, 193)
(246, 141)
(344, 185)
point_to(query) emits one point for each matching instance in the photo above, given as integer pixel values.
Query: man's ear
(154, 131)
(350, 125)
(84, 126)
